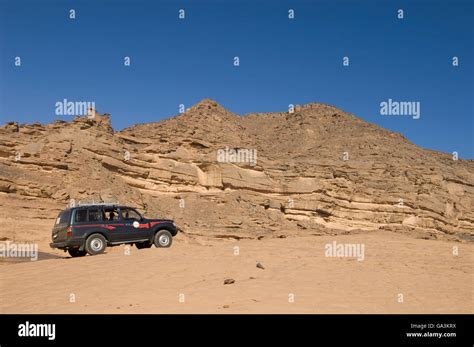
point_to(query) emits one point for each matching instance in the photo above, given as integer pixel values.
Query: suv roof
(96, 205)
(80, 204)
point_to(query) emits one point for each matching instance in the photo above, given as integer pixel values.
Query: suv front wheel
(96, 244)
(163, 239)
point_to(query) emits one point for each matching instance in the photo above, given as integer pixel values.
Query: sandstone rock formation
(317, 170)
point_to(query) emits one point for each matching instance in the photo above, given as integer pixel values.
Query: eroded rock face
(317, 170)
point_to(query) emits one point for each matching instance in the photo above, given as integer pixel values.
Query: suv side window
(129, 214)
(95, 215)
(110, 214)
(80, 216)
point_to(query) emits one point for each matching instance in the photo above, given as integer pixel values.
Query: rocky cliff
(316, 170)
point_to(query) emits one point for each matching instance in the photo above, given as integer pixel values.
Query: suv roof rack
(93, 203)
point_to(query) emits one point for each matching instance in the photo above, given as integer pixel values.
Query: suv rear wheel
(163, 239)
(96, 244)
(74, 252)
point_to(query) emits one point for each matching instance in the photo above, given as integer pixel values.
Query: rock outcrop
(317, 170)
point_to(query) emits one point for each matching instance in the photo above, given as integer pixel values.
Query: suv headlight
(174, 224)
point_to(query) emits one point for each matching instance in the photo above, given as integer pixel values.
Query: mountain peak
(206, 105)
(208, 109)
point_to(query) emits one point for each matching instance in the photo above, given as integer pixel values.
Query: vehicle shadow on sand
(40, 256)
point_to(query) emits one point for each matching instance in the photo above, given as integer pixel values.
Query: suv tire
(96, 244)
(75, 252)
(163, 239)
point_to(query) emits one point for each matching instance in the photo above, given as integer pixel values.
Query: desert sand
(189, 277)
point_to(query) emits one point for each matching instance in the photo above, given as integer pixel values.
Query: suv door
(61, 225)
(113, 223)
(133, 229)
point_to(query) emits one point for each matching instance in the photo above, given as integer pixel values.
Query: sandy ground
(297, 278)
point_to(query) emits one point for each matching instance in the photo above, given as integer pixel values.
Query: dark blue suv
(91, 228)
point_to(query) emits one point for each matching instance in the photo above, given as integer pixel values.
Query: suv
(91, 228)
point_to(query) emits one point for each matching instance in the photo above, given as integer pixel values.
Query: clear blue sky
(282, 61)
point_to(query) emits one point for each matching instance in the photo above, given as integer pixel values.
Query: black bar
(314, 330)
